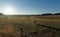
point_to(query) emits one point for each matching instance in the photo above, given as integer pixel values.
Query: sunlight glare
(8, 11)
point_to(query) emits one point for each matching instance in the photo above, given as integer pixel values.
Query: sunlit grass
(13, 24)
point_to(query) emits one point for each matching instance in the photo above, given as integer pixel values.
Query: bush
(1, 13)
(47, 14)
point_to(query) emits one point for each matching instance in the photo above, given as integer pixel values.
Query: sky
(9, 7)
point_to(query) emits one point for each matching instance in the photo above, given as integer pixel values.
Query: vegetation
(29, 26)
(1, 13)
(47, 14)
(57, 14)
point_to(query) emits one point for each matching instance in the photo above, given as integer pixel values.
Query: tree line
(51, 14)
(40, 14)
(46, 14)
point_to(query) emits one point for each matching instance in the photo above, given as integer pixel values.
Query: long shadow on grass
(48, 27)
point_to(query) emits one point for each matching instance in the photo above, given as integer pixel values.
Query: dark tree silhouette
(1, 13)
(57, 14)
(46, 14)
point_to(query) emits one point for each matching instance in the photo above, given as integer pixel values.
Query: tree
(1, 13)
(57, 14)
(47, 14)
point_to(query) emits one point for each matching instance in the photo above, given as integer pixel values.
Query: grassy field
(52, 21)
(27, 26)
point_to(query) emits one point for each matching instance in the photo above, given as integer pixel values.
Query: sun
(8, 11)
